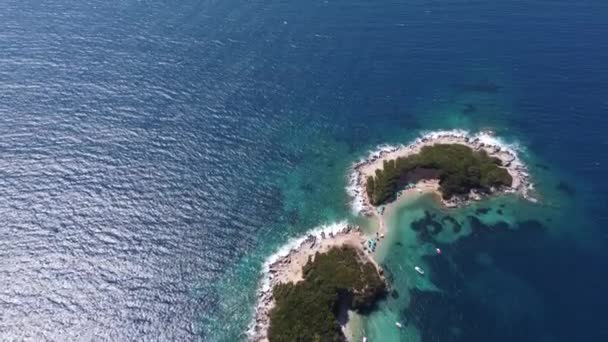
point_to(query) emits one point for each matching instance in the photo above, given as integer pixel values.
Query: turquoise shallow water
(418, 228)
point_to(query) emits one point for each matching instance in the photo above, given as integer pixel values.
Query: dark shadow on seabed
(505, 283)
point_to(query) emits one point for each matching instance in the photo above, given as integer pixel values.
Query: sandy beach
(423, 187)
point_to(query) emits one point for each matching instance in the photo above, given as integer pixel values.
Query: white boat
(398, 325)
(364, 339)
(419, 270)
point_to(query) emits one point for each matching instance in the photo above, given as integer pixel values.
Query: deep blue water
(153, 153)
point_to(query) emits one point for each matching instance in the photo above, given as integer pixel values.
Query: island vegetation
(458, 168)
(308, 310)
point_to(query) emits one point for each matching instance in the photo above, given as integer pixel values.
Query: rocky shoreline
(521, 185)
(288, 268)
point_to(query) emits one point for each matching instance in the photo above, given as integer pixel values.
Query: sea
(155, 154)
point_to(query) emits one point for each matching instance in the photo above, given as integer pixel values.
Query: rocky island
(458, 168)
(305, 288)
(340, 279)
(456, 165)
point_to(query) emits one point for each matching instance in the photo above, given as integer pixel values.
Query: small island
(458, 168)
(307, 286)
(339, 279)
